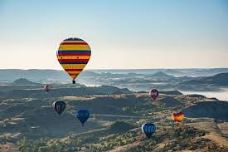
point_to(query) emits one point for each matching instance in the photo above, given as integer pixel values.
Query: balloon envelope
(154, 94)
(82, 116)
(148, 129)
(46, 88)
(178, 117)
(59, 106)
(73, 54)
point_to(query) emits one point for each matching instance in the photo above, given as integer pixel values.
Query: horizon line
(120, 68)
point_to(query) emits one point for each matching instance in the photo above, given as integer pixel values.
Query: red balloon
(46, 88)
(154, 94)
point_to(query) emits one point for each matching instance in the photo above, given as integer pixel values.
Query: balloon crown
(73, 39)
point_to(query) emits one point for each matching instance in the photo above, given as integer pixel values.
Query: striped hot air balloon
(73, 54)
(148, 129)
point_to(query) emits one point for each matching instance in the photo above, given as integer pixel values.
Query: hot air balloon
(59, 106)
(178, 117)
(154, 94)
(82, 116)
(73, 54)
(148, 129)
(46, 88)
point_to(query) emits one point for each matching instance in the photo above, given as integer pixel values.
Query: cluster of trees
(98, 141)
(178, 139)
(114, 141)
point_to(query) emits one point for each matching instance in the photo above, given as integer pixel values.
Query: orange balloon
(178, 117)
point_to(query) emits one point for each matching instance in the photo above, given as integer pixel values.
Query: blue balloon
(148, 129)
(83, 116)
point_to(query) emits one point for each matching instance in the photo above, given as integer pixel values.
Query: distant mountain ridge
(40, 75)
(134, 80)
(9, 75)
(220, 79)
(161, 74)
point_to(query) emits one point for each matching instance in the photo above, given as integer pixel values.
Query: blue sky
(122, 33)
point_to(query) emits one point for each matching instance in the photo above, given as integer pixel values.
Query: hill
(24, 82)
(9, 75)
(29, 122)
(65, 91)
(178, 138)
(161, 75)
(214, 109)
(217, 80)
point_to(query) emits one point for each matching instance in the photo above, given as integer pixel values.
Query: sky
(122, 34)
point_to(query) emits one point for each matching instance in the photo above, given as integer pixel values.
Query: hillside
(214, 109)
(24, 82)
(66, 91)
(28, 121)
(177, 138)
(217, 80)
